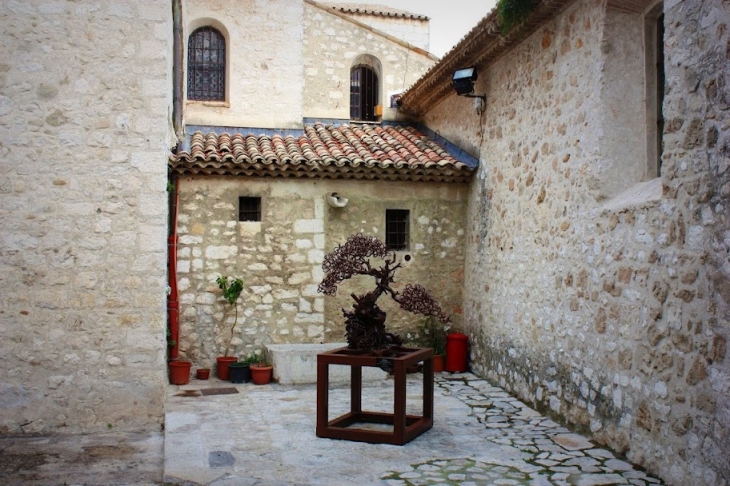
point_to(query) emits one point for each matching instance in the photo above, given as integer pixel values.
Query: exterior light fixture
(463, 83)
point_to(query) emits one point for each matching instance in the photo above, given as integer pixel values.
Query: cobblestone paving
(555, 456)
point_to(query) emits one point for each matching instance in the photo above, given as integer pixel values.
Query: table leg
(355, 389)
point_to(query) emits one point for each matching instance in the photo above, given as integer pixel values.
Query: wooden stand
(405, 427)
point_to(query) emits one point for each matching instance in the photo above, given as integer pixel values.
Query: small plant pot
(223, 362)
(239, 372)
(180, 372)
(261, 374)
(202, 373)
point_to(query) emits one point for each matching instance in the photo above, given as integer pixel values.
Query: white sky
(450, 19)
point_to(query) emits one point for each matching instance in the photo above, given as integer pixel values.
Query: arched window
(363, 93)
(206, 65)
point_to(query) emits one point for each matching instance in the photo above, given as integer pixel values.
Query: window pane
(396, 229)
(206, 65)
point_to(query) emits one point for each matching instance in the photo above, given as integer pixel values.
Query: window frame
(217, 68)
(401, 218)
(256, 212)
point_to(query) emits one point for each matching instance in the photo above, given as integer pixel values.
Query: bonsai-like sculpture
(365, 323)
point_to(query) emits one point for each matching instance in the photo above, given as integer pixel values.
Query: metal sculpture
(365, 323)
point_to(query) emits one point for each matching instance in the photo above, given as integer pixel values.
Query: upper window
(206, 65)
(655, 85)
(249, 208)
(396, 229)
(363, 93)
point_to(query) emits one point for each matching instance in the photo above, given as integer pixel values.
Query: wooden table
(405, 427)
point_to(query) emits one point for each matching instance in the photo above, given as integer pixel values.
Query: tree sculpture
(365, 323)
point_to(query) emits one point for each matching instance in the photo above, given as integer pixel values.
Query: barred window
(249, 208)
(206, 65)
(396, 229)
(363, 93)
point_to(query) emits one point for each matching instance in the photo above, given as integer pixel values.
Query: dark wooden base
(405, 427)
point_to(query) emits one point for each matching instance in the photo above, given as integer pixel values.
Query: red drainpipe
(173, 305)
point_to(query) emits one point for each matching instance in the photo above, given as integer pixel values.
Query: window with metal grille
(249, 208)
(396, 229)
(206, 65)
(363, 93)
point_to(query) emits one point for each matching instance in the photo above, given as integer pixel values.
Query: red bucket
(457, 352)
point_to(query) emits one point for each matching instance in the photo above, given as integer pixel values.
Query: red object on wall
(457, 352)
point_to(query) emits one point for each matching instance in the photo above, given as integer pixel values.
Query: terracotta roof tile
(379, 10)
(342, 152)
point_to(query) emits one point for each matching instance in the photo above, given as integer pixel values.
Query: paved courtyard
(265, 436)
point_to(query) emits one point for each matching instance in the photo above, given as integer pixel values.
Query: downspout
(173, 304)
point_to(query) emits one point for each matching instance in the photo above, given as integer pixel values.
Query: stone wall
(332, 45)
(413, 31)
(264, 48)
(612, 315)
(85, 95)
(280, 258)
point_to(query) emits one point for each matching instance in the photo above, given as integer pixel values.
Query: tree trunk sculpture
(365, 323)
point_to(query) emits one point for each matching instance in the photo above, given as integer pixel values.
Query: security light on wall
(463, 82)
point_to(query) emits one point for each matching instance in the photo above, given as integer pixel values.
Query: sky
(450, 19)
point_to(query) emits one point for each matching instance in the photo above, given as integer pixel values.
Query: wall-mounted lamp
(463, 83)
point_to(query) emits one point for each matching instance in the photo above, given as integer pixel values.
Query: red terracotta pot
(223, 362)
(261, 374)
(202, 373)
(180, 372)
(438, 363)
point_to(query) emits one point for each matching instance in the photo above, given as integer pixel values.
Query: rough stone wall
(331, 45)
(413, 31)
(280, 258)
(84, 135)
(613, 316)
(264, 52)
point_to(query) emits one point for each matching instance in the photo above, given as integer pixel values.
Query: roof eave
(481, 47)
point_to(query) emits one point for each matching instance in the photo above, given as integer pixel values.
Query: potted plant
(180, 372)
(434, 336)
(240, 372)
(260, 370)
(232, 288)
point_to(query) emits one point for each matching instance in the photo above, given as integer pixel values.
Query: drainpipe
(173, 304)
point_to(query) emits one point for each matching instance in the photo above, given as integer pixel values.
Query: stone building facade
(594, 289)
(280, 257)
(289, 60)
(84, 137)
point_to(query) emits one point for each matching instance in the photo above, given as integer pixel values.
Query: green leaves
(231, 290)
(512, 13)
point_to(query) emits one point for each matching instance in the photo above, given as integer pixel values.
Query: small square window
(396, 229)
(249, 209)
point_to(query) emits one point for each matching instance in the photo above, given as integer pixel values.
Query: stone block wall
(280, 258)
(85, 95)
(414, 31)
(264, 49)
(331, 45)
(612, 315)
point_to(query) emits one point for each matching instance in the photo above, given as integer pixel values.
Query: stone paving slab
(265, 435)
(91, 459)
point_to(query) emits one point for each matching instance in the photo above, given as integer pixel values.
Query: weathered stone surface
(84, 231)
(647, 312)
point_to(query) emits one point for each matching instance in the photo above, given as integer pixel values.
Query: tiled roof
(481, 47)
(345, 152)
(379, 10)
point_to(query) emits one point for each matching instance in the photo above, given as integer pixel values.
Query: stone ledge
(296, 364)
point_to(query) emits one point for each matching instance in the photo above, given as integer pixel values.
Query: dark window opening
(206, 65)
(396, 229)
(363, 93)
(660, 82)
(249, 209)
